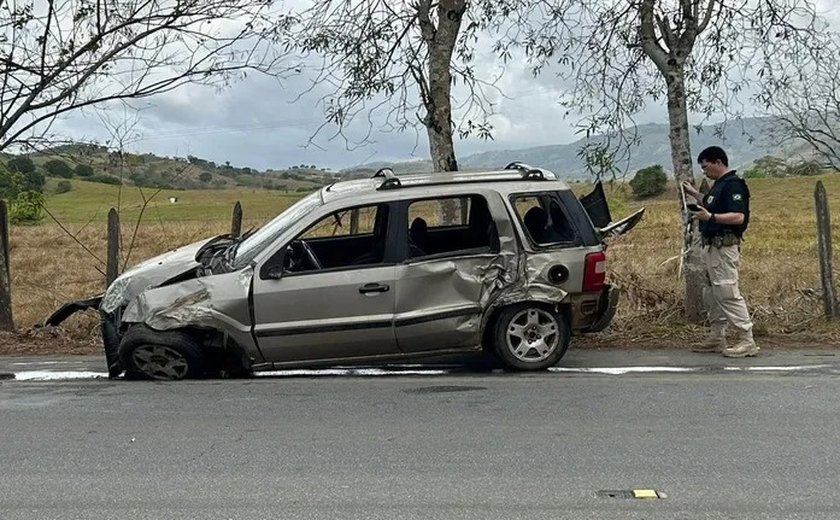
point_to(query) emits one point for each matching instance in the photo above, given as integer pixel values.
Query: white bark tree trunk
(693, 266)
(437, 98)
(669, 50)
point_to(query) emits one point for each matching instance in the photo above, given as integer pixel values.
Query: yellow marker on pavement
(645, 493)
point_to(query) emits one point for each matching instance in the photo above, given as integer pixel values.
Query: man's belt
(724, 240)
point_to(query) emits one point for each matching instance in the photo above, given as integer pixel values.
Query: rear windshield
(545, 219)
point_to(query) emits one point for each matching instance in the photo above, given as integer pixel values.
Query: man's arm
(730, 219)
(736, 199)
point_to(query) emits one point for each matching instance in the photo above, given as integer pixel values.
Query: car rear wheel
(162, 355)
(530, 337)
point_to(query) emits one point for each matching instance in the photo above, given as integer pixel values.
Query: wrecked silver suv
(384, 268)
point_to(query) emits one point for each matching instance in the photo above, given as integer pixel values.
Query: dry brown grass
(780, 272)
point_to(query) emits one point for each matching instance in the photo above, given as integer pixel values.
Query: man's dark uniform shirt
(729, 194)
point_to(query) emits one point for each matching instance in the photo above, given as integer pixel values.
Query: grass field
(780, 270)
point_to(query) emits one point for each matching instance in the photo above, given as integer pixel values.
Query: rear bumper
(594, 312)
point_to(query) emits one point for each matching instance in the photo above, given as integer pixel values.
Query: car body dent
(447, 297)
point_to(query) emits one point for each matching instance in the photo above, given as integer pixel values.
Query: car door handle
(370, 288)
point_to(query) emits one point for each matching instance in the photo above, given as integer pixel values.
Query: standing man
(724, 215)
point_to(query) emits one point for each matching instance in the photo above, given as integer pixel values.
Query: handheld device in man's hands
(692, 207)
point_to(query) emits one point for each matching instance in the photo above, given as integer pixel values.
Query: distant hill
(149, 170)
(368, 169)
(745, 141)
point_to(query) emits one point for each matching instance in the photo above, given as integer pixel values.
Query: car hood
(150, 273)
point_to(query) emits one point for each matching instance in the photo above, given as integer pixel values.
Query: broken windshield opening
(266, 235)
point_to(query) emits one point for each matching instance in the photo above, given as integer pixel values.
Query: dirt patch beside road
(46, 341)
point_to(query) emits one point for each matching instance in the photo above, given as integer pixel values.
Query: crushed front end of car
(170, 291)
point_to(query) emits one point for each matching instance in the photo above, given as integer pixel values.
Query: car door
(595, 204)
(343, 307)
(445, 273)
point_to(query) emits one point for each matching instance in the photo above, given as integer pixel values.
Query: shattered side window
(544, 218)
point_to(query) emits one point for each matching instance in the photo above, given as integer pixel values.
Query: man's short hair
(712, 154)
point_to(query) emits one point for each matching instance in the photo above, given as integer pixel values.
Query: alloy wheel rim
(160, 362)
(532, 335)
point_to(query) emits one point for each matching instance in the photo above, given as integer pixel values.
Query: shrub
(772, 166)
(649, 182)
(105, 179)
(804, 169)
(84, 170)
(63, 187)
(10, 183)
(26, 208)
(58, 168)
(755, 173)
(21, 164)
(34, 181)
(28, 177)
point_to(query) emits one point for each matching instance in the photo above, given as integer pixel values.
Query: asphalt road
(485, 445)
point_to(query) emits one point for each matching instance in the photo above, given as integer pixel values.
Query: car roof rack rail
(391, 180)
(527, 171)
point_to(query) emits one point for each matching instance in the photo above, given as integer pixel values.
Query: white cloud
(261, 123)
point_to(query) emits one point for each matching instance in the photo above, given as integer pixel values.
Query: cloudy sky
(262, 123)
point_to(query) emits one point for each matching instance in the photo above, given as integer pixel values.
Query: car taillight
(594, 272)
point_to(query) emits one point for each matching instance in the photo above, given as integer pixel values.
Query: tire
(166, 355)
(530, 336)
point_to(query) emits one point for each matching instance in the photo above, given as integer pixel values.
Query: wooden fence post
(824, 249)
(6, 320)
(112, 269)
(236, 220)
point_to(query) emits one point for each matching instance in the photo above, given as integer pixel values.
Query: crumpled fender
(214, 302)
(530, 283)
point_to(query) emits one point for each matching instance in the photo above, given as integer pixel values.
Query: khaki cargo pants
(721, 295)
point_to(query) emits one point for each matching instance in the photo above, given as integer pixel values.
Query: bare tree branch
(58, 56)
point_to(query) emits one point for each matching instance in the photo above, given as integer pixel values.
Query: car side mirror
(275, 272)
(275, 266)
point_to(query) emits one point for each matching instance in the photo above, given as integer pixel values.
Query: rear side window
(438, 213)
(451, 226)
(545, 219)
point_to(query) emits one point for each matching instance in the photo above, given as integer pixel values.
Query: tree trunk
(438, 96)
(439, 101)
(694, 268)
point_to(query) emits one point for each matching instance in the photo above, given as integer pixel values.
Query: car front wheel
(162, 355)
(530, 337)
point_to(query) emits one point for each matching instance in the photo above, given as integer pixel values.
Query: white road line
(777, 368)
(64, 375)
(29, 363)
(47, 375)
(618, 371)
(349, 372)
